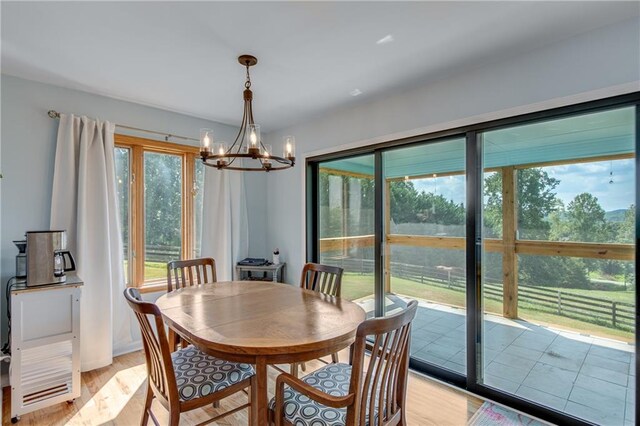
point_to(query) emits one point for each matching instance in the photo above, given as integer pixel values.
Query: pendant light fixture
(248, 152)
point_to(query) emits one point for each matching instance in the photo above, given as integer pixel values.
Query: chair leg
(216, 404)
(174, 418)
(334, 358)
(303, 365)
(294, 369)
(147, 406)
(403, 418)
(251, 401)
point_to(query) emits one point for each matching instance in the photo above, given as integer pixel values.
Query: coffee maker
(21, 259)
(47, 258)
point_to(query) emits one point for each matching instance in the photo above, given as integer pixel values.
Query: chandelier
(247, 152)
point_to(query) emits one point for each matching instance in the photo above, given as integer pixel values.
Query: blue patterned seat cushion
(300, 410)
(199, 374)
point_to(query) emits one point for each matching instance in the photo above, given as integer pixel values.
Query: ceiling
(312, 55)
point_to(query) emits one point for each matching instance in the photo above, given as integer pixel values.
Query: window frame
(137, 147)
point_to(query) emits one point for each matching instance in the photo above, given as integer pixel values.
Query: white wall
(28, 139)
(600, 63)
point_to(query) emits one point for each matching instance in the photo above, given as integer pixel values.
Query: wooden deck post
(387, 232)
(509, 257)
(345, 213)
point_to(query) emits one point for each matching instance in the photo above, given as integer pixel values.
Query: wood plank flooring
(114, 395)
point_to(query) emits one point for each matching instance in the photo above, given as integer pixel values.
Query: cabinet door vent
(46, 372)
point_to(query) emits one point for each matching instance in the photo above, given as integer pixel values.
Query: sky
(574, 179)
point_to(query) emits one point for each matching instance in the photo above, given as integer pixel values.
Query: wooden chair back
(156, 348)
(183, 273)
(382, 381)
(322, 278)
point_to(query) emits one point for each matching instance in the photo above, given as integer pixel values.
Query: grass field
(152, 270)
(155, 270)
(356, 286)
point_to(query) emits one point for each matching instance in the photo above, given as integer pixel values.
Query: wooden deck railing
(607, 251)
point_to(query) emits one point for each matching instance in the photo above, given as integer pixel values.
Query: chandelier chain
(247, 84)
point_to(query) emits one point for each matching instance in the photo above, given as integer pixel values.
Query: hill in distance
(615, 215)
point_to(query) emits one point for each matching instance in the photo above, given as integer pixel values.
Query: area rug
(490, 414)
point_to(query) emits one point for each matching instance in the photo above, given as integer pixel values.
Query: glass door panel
(163, 213)
(346, 225)
(559, 215)
(424, 246)
(123, 193)
(198, 197)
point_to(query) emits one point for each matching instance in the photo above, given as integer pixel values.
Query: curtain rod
(55, 114)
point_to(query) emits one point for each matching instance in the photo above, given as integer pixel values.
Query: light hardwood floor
(114, 395)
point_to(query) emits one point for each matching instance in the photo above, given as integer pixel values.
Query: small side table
(260, 273)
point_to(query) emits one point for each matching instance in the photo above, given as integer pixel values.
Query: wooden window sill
(153, 287)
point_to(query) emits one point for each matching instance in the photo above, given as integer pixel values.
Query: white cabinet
(45, 345)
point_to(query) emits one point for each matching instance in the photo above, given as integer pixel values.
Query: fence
(158, 253)
(601, 311)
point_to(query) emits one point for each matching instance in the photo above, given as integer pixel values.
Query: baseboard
(127, 349)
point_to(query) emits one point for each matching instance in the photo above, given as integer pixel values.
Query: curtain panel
(84, 203)
(225, 230)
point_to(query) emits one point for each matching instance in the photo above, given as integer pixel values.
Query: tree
(410, 206)
(627, 229)
(627, 234)
(163, 200)
(538, 209)
(586, 219)
(354, 219)
(404, 202)
(536, 200)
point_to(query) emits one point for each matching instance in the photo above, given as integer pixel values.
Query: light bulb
(221, 150)
(289, 147)
(206, 141)
(253, 138)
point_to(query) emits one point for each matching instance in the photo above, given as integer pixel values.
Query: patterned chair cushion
(199, 374)
(300, 410)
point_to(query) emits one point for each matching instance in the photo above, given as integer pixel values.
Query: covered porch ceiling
(588, 136)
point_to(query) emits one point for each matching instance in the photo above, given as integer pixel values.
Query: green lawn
(155, 270)
(356, 286)
(152, 270)
(614, 296)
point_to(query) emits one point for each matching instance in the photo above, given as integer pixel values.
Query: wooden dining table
(261, 323)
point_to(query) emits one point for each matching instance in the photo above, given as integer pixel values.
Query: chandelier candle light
(248, 150)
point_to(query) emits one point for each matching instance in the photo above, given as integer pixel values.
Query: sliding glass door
(345, 225)
(559, 295)
(517, 238)
(424, 246)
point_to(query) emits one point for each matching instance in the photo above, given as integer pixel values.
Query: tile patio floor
(590, 377)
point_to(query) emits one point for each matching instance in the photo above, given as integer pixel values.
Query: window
(160, 206)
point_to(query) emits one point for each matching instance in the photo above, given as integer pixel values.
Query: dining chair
(183, 273)
(367, 391)
(323, 279)
(188, 378)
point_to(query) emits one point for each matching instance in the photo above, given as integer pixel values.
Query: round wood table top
(243, 320)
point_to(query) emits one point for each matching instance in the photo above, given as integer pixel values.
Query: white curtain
(225, 230)
(84, 203)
